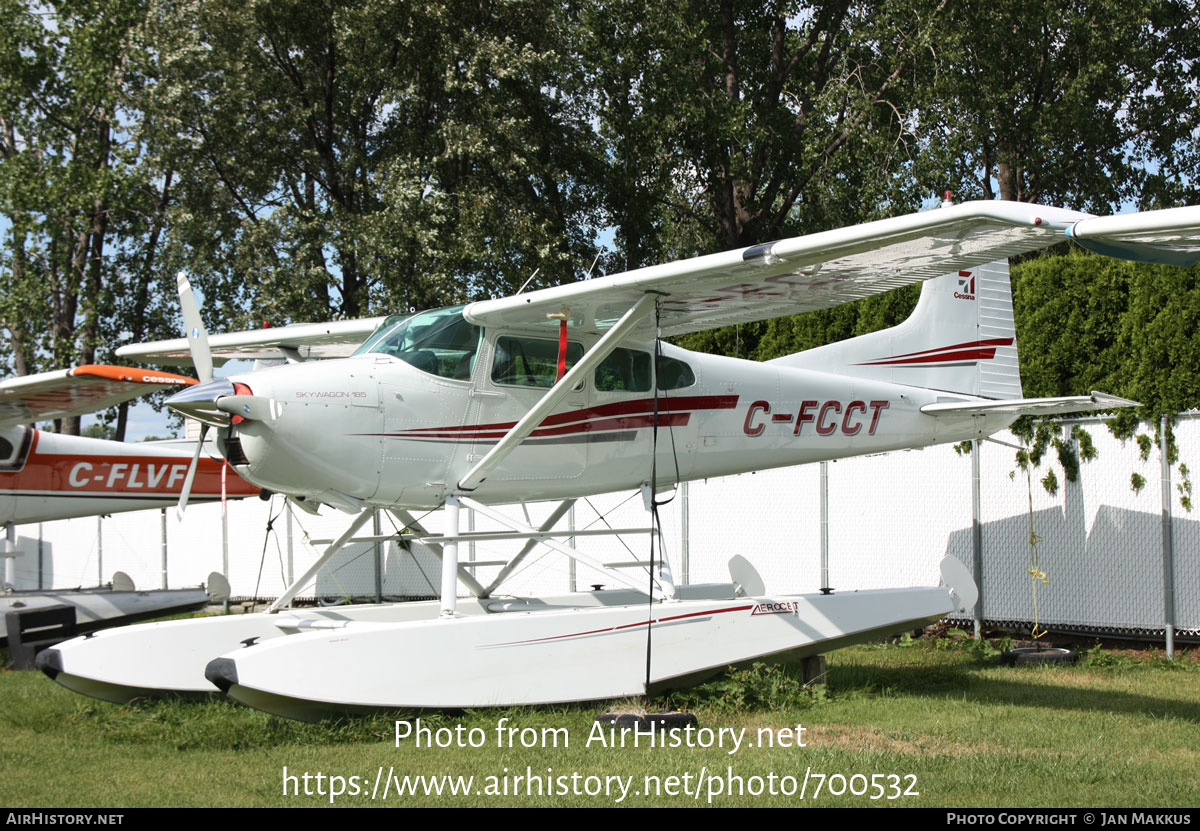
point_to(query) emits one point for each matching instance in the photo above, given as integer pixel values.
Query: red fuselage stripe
(938, 352)
(942, 357)
(628, 626)
(616, 408)
(615, 416)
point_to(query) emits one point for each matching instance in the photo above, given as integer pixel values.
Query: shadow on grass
(1027, 687)
(33, 703)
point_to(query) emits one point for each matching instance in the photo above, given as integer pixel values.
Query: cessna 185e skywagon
(569, 391)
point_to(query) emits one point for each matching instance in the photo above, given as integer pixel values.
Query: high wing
(71, 392)
(300, 341)
(787, 277)
(828, 268)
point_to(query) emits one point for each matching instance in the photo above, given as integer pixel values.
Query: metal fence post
(571, 585)
(825, 587)
(1168, 545)
(163, 511)
(977, 537)
(291, 563)
(685, 577)
(377, 530)
(225, 532)
(10, 555)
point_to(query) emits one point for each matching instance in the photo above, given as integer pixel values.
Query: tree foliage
(308, 159)
(1086, 322)
(749, 121)
(348, 158)
(1050, 102)
(77, 200)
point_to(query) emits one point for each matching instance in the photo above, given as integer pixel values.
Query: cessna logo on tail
(966, 285)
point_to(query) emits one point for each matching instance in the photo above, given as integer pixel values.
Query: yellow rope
(1035, 570)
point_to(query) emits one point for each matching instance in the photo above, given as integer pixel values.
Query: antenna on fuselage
(599, 254)
(530, 280)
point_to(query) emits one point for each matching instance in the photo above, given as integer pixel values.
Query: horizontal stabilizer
(1097, 401)
(1169, 237)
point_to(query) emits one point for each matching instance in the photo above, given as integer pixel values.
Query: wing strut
(334, 548)
(529, 422)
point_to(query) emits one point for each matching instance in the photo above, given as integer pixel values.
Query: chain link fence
(890, 519)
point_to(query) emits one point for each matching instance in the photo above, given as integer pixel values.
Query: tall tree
(1167, 114)
(344, 158)
(67, 175)
(732, 123)
(748, 122)
(1049, 102)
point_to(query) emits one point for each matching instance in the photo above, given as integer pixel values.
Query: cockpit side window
(440, 342)
(530, 362)
(14, 447)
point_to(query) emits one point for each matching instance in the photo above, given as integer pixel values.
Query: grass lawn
(927, 723)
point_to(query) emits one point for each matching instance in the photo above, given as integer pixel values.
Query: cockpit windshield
(439, 342)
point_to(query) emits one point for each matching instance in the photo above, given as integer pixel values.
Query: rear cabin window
(628, 370)
(674, 374)
(14, 445)
(625, 370)
(530, 362)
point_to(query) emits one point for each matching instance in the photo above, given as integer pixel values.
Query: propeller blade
(197, 335)
(191, 474)
(252, 407)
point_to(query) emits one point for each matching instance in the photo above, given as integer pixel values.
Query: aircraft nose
(200, 401)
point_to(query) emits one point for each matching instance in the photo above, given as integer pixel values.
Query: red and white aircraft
(47, 476)
(569, 391)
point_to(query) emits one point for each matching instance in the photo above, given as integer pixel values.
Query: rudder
(960, 338)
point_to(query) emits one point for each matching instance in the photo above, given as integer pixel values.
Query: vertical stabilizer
(960, 338)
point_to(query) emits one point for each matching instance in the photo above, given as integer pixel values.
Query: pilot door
(515, 370)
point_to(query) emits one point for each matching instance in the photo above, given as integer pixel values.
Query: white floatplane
(569, 391)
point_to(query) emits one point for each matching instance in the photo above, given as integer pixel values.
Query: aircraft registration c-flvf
(48, 476)
(569, 391)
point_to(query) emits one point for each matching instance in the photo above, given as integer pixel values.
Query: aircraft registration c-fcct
(831, 417)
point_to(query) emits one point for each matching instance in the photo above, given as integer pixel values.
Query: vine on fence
(1075, 445)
